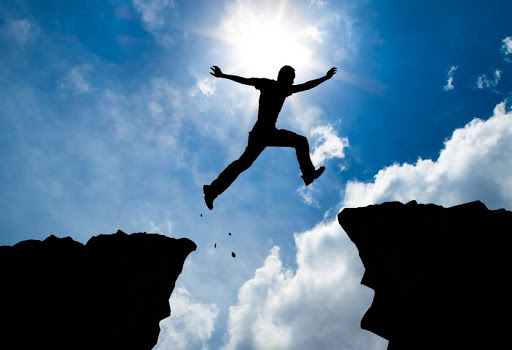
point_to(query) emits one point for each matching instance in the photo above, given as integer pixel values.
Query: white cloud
(191, 323)
(152, 12)
(23, 31)
(160, 108)
(159, 111)
(320, 3)
(76, 79)
(327, 144)
(319, 306)
(475, 164)
(449, 83)
(313, 33)
(308, 194)
(166, 40)
(206, 86)
(155, 109)
(484, 82)
(324, 142)
(321, 303)
(154, 225)
(481, 81)
(506, 47)
(305, 117)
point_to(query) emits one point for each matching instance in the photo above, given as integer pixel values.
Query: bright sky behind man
(110, 120)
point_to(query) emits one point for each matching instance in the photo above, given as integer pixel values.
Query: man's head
(286, 75)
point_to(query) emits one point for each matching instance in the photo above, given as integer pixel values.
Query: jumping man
(264, 133)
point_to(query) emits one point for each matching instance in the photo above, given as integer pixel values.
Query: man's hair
(286, 73)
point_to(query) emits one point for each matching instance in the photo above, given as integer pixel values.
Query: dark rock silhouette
(109, 294)
(440, 275)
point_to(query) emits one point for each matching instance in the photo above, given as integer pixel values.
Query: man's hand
(216, 72)
(331, 72)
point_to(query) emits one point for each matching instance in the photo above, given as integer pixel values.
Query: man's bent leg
(228, 175)
(286, 138)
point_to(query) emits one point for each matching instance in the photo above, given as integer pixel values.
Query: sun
(262, 40)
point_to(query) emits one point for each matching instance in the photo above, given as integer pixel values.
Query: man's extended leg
(228, 175)
(286, 138)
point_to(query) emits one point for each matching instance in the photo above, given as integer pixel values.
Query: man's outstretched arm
(216, 72)
(313, 83)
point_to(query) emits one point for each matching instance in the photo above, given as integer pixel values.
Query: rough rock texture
(441, 276)
(109, 294)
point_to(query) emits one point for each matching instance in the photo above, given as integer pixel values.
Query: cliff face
(109, 294)
(440, 275)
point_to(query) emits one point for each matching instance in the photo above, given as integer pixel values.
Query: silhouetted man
(264, 133)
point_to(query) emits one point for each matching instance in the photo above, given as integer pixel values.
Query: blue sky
(110, 120)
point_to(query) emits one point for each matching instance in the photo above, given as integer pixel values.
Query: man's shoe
(308, 179)
(209, 197)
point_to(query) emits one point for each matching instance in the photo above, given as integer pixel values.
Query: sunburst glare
(262, 40)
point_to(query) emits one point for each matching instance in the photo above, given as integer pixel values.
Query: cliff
(109, 294)
(439, 274)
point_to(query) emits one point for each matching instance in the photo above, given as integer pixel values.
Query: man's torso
(271, 101)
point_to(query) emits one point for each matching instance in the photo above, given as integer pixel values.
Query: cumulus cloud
(449, 83)
(23, 31)
(318, 306)
(484, 82)
(306, 117)
(327, 144)
(475, 164)
(506, 47)
(191, 325)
